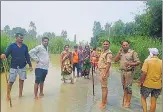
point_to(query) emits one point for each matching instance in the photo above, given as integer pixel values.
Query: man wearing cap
(19, 59)
(128, 60)
(151, 80)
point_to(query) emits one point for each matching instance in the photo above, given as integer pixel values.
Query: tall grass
(31, 42)
(56, 45)
(5, 41)
(141, 44)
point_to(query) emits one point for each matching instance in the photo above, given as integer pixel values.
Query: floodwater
(60, 97)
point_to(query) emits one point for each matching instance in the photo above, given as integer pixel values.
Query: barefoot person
(128, 59)
(104, 65)
(19, 59)
(41, 56)
(66, 64)
(151, 80)
(75, 56)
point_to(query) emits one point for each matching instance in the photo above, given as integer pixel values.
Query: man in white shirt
(41, 56)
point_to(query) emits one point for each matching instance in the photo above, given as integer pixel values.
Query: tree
(97, 33)
(118, 28)
(143, 23)
(108, 29)
(64, 34)
(49, 34)
(32, 29)
(97, 29)
(7, 29)
(129, 28)
(18, 30)
(155, 9)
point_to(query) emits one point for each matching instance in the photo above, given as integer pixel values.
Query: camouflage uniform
(127, 72)
(105, 58)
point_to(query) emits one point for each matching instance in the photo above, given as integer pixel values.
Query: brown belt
(127, 70)
(102, 68)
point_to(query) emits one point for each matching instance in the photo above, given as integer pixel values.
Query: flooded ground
(61, 97)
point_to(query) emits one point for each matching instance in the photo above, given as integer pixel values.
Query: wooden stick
(93, 82)
(5, 66)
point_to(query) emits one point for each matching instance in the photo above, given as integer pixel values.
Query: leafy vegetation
(143, 33)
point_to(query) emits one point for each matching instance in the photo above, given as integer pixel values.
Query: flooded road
(68, 97)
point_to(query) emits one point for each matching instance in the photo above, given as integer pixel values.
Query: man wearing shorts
(41, 56)
(19, 59)
(151, 80)
(128, 60)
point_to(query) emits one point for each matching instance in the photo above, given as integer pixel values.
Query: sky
(76, 17)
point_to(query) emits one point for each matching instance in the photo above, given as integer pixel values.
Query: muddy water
(61, 97)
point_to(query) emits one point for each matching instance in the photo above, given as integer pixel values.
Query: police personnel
(104, 65)
(128, 60)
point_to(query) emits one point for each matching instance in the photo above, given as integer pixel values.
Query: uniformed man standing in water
(104, 65)
(128, 60)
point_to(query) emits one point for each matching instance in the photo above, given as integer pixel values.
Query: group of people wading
(82, 60)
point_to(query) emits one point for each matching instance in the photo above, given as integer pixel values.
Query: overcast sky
(77, 17)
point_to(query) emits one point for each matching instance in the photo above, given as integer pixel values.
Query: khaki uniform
(105, 58)
(127, 72)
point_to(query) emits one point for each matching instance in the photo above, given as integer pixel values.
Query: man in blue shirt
(19, 59)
